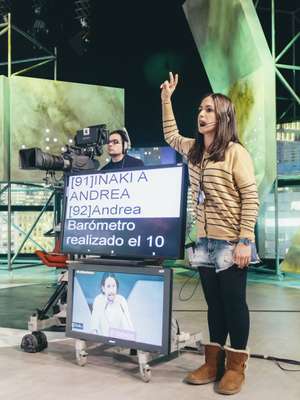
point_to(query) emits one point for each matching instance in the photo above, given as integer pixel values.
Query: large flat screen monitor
(125, 306)
(137, 213)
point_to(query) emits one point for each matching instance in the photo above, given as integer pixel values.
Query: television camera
(88, 144)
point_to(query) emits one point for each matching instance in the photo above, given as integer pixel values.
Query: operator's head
(109, 286)
(118, 143)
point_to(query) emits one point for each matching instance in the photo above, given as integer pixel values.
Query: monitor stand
(179, 342)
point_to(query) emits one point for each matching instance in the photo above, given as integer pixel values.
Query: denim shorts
(216, 253)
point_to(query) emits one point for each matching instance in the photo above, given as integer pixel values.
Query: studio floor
(53, 373)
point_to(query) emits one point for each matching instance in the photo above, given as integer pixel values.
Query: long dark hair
(108, 275)
(226, 131)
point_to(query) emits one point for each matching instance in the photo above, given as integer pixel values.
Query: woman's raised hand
(168, 87)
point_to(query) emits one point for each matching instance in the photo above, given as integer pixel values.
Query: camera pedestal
(40, 320)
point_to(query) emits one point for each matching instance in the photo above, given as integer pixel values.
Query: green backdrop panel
(47, 114)
(238, 62)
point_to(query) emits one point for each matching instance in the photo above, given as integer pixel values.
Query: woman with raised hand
(225, 202)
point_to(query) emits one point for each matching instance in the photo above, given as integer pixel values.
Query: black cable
(287, 369)
(178, 329)
(277, 361)
(184, 284)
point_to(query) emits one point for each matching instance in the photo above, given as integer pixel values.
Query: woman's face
(207, 118)
(110, 289)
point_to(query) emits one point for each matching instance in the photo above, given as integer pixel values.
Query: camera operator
(118, 144)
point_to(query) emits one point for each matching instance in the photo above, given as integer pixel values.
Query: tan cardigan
(231, 205)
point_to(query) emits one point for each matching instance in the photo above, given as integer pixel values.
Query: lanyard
(202, 170)
(201, 193)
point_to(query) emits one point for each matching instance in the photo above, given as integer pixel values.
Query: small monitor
(126, 214)
(124, 306)
(163, 155)
(92, 135)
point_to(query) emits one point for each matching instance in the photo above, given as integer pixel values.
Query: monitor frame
(120, 256)
(164, 348)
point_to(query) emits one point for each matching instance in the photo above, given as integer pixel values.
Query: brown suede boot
(234, 377)
(210, 371)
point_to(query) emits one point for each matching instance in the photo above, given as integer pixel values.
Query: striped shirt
(231, 202)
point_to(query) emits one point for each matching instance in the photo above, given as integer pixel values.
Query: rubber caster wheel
(81, 358)
(34, 342)
(146, 373)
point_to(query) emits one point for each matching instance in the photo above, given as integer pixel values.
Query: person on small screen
(118, 144)
(226, 204)
(110, 313)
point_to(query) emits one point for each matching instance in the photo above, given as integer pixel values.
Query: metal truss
(290, 85)
(7, 27)
(82, 9)
(4, 8)
(83, 14)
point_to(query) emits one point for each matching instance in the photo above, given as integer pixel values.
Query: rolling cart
(173, 341)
